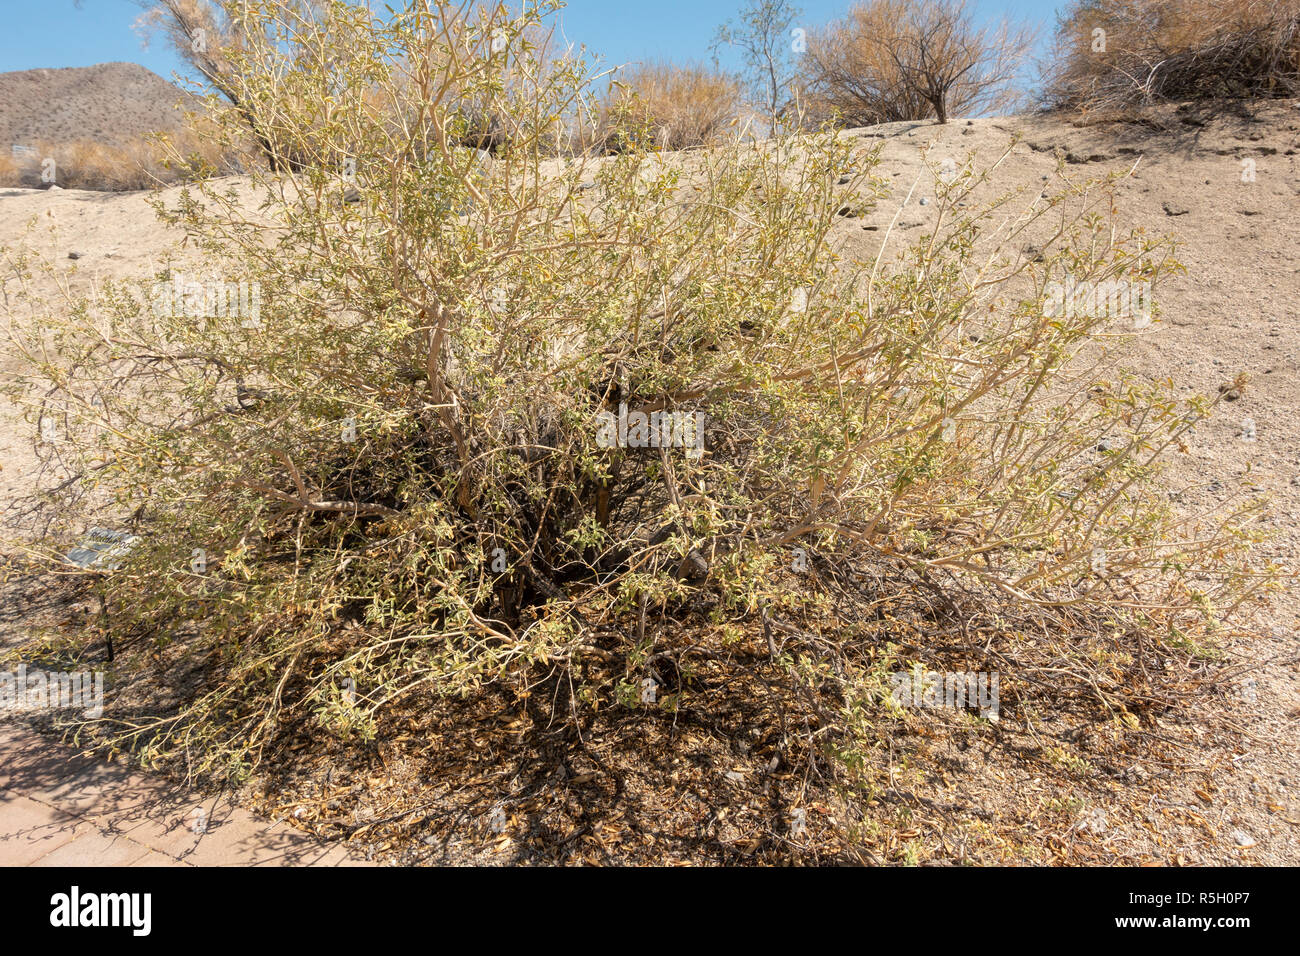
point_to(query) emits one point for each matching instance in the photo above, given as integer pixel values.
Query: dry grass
(103, 126)
(1120, 54)
(677, 106)
(89, 164)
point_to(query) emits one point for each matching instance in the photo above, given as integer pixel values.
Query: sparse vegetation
(95, 165)
(1123, 54)
(672, 107)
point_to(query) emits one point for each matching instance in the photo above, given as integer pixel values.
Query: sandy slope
(1236, 309)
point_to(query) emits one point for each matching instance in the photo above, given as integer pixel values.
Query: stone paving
(59, 808)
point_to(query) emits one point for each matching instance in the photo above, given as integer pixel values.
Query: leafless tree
(948, 61)
(762, 33)
(891, 60)
(204, 34)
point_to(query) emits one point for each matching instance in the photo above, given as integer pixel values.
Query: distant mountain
(112, 104)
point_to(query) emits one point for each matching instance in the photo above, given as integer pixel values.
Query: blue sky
(55, 33)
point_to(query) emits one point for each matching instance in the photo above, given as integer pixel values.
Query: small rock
(1175, 209)
(844, 181)
(74, 255)
(925, 201)
(1243, 839)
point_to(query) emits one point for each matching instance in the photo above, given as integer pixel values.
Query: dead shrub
(1120, 54)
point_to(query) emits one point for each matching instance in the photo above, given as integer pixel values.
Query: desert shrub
(144, 164)
(1118, 54)
(892, 60)
(417, 457)
(667, 106)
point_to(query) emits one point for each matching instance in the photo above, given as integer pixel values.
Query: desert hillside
(114, 104)
(1226, 183)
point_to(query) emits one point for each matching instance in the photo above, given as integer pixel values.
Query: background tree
(209, 37)
(892, 60)
(762, 34)
(953, 64)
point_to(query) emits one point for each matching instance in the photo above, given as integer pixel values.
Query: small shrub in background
(139, 165)
(1122, 54)
(671, 106)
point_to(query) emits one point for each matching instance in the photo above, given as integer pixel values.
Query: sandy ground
(1227, 184)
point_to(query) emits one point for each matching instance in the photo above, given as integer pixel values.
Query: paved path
(58, 808)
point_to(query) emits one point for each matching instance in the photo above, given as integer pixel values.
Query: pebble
(1243, 839)
(74, 255)
(925, 201)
